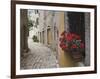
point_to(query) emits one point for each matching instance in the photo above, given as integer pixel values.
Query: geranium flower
(74, 46)
(77, 37)
(70, 41)
(82, 45)
(63, 46)
(69, 37)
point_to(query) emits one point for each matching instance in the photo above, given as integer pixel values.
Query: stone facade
(24, 30)
(33, 16)
(87, 39)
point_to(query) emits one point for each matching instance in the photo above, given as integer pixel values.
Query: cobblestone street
(38, 57)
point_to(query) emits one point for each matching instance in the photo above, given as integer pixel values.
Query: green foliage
(35, 39)
(30, 24)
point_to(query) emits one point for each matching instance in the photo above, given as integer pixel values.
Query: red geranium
(63, 46)
(77, 37)
(71, 41)
(68, 36)
(82, 45)
(74, 46)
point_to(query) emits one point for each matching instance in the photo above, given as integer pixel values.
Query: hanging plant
(71, 42)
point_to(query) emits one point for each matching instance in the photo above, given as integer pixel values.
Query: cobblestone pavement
(38, 57)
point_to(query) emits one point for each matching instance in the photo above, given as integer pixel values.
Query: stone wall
(87, 39)
(23, 30)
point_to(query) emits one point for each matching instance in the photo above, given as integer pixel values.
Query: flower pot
(77, 56)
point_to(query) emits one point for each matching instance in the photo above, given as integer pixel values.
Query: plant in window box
(72, 43)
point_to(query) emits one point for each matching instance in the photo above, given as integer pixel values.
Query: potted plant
(72, 43)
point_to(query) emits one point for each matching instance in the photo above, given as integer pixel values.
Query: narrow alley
(38, 57)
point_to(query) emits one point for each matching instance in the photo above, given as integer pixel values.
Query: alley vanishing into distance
(39, 56)
(41, 31)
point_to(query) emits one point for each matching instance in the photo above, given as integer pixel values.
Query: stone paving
(38, 57)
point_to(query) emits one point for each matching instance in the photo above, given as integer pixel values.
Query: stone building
(24, 31)
(33, 17)
(53, 23)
